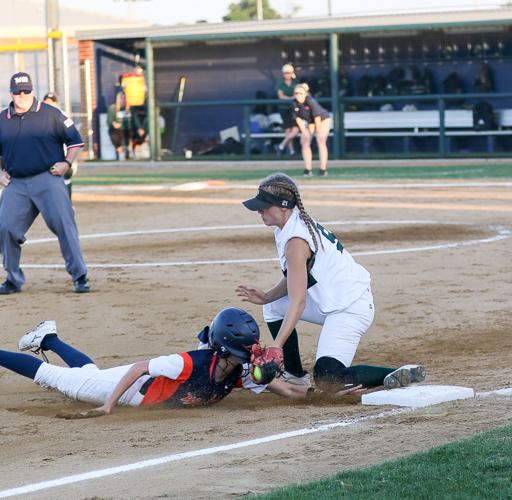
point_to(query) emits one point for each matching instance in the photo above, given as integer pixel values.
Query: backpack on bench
(483, 116)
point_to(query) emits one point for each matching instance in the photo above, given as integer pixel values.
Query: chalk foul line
(202, 452)
(143, 464)
(201, 229)
(501, 234)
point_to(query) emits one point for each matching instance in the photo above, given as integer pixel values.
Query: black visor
(264, 199)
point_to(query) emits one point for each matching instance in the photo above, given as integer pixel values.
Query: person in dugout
(123, 125)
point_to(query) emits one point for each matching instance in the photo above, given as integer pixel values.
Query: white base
(417, 396)
(507, 391)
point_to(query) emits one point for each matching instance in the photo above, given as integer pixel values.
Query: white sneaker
(32, 340)
(292, 379)
(405, 375)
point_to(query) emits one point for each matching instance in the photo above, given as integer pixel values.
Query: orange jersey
(194, 385)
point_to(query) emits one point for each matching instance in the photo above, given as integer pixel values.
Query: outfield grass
(478, 467)
(498, 170)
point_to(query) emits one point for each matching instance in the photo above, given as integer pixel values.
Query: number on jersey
(330, 236)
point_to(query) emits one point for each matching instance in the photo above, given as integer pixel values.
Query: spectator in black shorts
(313, 121)
(284, 91)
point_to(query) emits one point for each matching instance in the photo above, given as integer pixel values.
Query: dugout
(396, 84)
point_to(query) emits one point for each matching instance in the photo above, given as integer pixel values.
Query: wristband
(68, 162)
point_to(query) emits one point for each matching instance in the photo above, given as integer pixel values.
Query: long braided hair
(283, 186)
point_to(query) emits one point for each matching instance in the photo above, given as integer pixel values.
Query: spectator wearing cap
(32, 140)
(284, 90)
(52, 99)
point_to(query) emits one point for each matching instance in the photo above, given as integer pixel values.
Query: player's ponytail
(283, 186)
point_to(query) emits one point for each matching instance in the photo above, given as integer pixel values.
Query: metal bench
(410, 124)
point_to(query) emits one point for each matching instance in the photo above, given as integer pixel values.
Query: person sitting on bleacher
(484, 81)
(453, 84)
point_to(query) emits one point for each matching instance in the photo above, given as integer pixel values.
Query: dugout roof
(455, 21)
(153, 42)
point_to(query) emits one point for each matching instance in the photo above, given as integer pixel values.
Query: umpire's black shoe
(7, 288)
(81, 285)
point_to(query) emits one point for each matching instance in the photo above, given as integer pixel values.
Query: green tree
(246, 10)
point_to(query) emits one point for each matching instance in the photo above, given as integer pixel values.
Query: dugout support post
(151, 102)
(341, 132)
(335, 104)
(247, 132)
(442, 128)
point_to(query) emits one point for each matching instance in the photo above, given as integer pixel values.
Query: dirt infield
(445, 306)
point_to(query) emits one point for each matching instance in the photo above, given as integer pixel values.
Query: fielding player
(322, 284)
(311, 118)
(193, 378)
(32, 140)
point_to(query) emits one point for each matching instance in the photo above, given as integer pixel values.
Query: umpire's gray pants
(22, 200)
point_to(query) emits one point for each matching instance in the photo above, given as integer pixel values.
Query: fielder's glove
(265, 363)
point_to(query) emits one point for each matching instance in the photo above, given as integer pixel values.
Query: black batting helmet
(234, 331)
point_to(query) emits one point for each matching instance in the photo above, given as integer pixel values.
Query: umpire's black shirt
(31, 142)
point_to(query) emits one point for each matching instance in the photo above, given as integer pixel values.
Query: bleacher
(416, 94)
(412, 86)
(410, 124)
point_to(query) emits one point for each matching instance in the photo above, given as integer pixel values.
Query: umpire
(32, 136)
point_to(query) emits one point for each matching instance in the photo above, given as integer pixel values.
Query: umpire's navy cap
(264, 199)
(21, 81)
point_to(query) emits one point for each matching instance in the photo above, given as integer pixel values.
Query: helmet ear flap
(224, 353)
(218, 347)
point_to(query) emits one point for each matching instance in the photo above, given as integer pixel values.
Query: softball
(256, 373)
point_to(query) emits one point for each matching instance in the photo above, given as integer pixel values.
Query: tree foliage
(246, 10)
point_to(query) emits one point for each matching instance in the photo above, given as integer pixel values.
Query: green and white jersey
(335, 279)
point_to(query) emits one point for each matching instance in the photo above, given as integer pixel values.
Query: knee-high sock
(331, 372)
(71, 356)
(368, 376)
(20, 363)
(292, 361)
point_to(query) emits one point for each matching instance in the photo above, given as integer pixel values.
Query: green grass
(245, 173)
(478, 467)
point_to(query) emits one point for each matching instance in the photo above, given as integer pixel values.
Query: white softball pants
(341, 331)
(88, 383)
